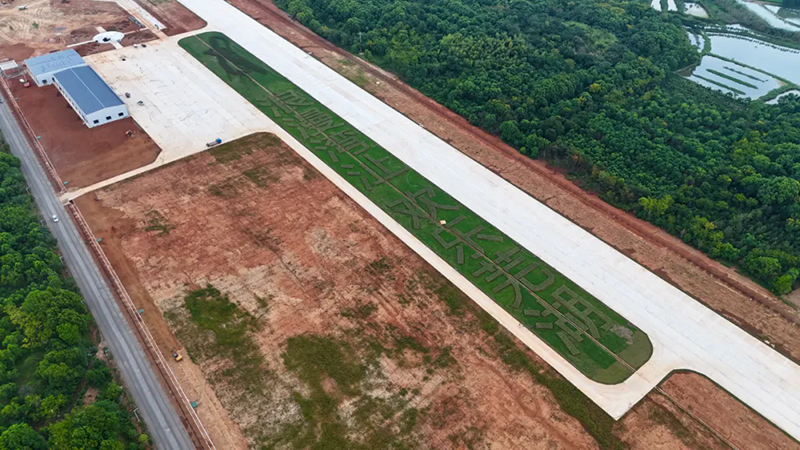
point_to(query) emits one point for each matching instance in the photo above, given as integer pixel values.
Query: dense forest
(46, 356)
(592, 86)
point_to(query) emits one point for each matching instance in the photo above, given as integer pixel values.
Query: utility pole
(360, 47)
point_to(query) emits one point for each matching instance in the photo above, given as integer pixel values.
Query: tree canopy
(46, 348)
(592, 86)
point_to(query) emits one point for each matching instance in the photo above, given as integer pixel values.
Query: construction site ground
(81, 155)
(138, 37)
(306, 263)
(721, 288)
(644, 427)
(48, 25)
(173, 15)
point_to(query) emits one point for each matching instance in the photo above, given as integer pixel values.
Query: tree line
(592, 86)
(47, 348)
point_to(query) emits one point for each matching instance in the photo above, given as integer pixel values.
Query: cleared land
(173, 15)
(82, 156)
(721, 288)
(587, 333)
(48, 25)
(695, 338)
(732, 295)
(300, 268)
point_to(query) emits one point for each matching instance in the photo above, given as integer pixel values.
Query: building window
(121, 114)
(96, 122)
(108, 117)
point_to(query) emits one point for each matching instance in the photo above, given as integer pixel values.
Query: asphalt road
(164, 425)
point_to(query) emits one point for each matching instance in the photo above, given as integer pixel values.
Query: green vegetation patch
(577, 325)
(228, 333)
(744, 74)
(722, 85)
(615, 117)
(316, 358)
(734, 79)
(48, 342)
(332, 372)
(157, 222)
(234, 150)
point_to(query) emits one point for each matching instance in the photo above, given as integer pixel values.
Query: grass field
(582, 329)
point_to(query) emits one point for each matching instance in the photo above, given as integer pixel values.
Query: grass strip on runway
(581, 328)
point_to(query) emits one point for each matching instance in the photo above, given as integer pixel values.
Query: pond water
(695, 9)
(788, 14)
(769, 16)
(656, 4)
(725, 76)
(781, 61)
(774, 101)
(696, 40)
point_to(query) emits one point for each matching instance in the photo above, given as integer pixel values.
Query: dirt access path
(730, 294)
(300, 257)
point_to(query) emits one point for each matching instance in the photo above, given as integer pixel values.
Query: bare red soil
(82, 156)
(173, 15)
(265, 225)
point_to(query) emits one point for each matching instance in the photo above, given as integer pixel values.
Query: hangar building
(42, 68)
(87, 93)
(90, 96)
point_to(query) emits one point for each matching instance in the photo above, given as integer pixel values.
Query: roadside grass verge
(586, 332)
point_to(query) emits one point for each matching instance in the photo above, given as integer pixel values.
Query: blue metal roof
(87, 89)
(53, 62)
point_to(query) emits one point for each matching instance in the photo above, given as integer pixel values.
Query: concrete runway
(685, 334)
(164, 426)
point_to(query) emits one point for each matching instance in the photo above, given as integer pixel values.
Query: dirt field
(306, 268)
(82, 156)
(51, 25)
(91, 48)
(722, 289)
(173, 15)
(138, 37)
(740, 425)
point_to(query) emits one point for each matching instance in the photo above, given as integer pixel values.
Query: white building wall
(44, 79)
(103, 116)
(106, 115)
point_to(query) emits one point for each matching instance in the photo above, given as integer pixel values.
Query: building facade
(42, 68)
(87, 93)
(90, 96)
